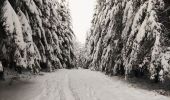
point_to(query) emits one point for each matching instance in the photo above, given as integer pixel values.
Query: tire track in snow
(92, 93)
(73, 91)
(76, 85)
(65, 92)
(80, 87)
(50, 91)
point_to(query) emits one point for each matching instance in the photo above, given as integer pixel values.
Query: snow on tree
(35, 35)
(80, 53)
(128, 37)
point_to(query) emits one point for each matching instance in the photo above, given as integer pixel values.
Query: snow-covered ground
(74, 85)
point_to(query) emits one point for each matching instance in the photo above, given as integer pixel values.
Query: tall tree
(128, 37)
(35, 35)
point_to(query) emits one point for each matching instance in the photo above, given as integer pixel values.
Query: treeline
(131, 38)
(35, 35)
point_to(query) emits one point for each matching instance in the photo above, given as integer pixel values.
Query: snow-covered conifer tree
(35, 35)
(128, 37)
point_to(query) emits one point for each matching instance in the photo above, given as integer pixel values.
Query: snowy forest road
(75, 85)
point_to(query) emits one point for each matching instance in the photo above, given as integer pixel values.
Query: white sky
(82, 14)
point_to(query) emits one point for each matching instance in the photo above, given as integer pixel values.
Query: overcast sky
(81, 12)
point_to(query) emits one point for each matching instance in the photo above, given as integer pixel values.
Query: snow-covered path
(74, 85)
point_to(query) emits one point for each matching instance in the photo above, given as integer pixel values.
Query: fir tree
(35, 35)
(128, 37)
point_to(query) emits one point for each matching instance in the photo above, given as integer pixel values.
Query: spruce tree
(35, 35)
(130, 37)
